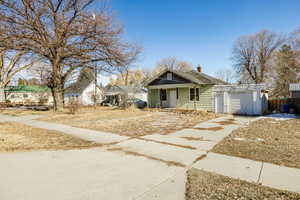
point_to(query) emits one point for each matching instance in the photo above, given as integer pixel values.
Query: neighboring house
(244, 99)
(295, 90)
(84, 89)
(29, 95)
(178, 89)
(114, 94)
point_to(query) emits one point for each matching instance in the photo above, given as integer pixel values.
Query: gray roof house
(182, 89)
(84, 90)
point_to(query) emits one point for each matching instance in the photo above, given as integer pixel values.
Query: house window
(177, 93)
(194, 94)
(169, 76)
(25, 95)
(163, 95)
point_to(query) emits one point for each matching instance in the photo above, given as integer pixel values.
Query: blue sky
(200, 31)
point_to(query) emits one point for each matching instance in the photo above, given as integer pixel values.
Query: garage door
(241, 103)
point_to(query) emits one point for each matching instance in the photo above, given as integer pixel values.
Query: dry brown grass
(280, 145)
(203, 185)
(22, 112)
(169, 163)
(131, 122)
(19, 137)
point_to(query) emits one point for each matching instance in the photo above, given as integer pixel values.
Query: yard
(267, 140)
(18, 137)
(203, 185)
(130, 122)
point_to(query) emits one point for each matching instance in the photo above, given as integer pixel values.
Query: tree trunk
(2, 95)
(58, 98)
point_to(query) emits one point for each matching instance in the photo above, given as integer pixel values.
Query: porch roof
(170, 86)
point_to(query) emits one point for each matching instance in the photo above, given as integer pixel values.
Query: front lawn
(203, 185)
(18, 137)
(267, 140)
(131, 122)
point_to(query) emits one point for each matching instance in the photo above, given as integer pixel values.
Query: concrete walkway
(150, 167)
(280, 177)
(86, 134)
(137, 169)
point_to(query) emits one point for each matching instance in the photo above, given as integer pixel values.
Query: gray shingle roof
(85, 78)
(193, 76)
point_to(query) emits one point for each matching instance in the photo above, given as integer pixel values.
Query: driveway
(149, 167)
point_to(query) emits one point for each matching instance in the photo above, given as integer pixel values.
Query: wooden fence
(277, 104)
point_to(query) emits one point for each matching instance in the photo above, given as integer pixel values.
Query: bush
(73, 107)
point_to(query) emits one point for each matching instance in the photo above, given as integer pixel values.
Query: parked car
(137, 102)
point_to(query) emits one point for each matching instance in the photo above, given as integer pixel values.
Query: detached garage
(245, 99)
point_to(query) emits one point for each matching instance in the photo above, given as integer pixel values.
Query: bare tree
(252, 55)
(11, 62)
(64, 34)
(173, 63)
(226, 74)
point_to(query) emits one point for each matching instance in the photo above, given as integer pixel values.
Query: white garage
(245, 99)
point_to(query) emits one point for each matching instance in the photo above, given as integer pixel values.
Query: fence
(277, 104)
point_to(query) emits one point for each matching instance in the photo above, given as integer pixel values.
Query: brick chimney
(199, 68)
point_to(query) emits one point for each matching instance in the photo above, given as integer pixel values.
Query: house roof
(295, 87)
(27, 88)
(85, 78)
(193, 76)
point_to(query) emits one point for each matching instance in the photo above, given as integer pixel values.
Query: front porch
(184, 96)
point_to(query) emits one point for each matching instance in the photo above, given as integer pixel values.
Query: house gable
(169, 78)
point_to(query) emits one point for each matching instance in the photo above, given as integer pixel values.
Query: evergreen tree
(287, 69)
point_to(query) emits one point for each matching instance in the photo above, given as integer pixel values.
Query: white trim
(171, 86)
(195, 94)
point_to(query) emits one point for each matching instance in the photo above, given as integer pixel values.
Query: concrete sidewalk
(86, 134)
(279, 177)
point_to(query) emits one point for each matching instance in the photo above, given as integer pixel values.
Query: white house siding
(86, 97)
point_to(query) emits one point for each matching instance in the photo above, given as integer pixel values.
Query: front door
(172, 99)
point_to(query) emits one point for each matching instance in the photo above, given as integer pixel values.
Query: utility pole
(95, 91)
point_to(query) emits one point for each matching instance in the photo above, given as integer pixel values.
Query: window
(163, 95)
(176, 93)
(194, 94)
(169, 76)
(25, 95)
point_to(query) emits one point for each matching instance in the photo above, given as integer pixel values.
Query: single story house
(31, 94)
(295, 90)
(181, 89)
(114, 93)
(244, 99)
(84, 90)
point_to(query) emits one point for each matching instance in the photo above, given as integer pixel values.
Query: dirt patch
(200, 158)
(169, 163)
(203, 185)
(226, 122)
(217, 128)
(167, 143)
(194, 138)
(267, 140)
(131, 122)
(19, 137)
